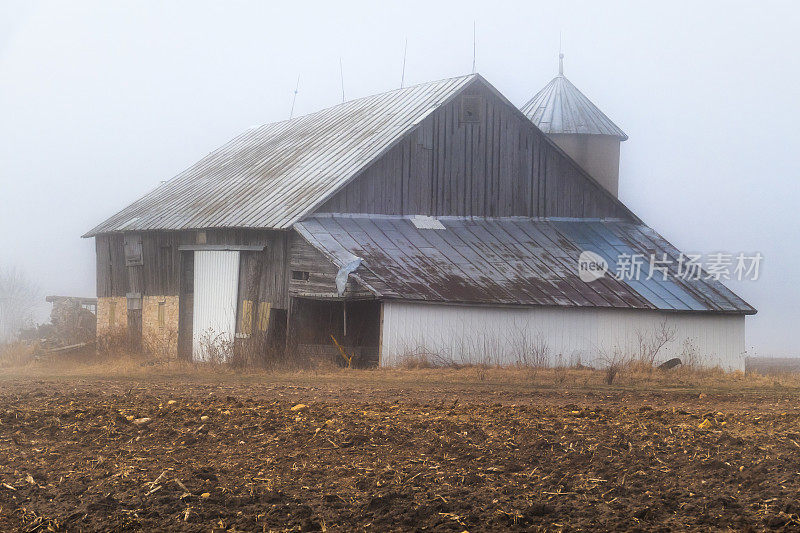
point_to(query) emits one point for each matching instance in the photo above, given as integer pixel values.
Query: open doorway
(340, 331)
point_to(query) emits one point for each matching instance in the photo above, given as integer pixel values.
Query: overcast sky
(100, 101)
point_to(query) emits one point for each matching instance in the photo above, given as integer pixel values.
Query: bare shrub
(649, 344)
(690, 358)
(259, 351)
(427, 359)
(639, 359)
(214, 348)
(481, 370)
(19, 298)
(611, 373)
(614, 362)
(532, 351)
(114, 342)
(16, 354)
(560, 370)
(163, 345)
(415, 362)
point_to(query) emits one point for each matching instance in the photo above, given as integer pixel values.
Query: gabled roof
(271, 176)
(510, 261)
(561, 108)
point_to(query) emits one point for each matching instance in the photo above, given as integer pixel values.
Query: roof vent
(426, 222)
(471, 109)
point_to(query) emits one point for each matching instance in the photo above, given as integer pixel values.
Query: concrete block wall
(160, 325)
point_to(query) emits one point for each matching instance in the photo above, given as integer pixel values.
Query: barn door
(216, 285)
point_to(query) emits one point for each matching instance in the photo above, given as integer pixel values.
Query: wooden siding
(112, 278)
(264, 273)
(322, 272)
(501, 165)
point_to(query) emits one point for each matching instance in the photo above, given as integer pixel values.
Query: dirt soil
(389, 451)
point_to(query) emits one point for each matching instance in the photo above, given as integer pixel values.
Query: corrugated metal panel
(504, 335)
(216, 285)
(513, 261)
(272, 175)
(561, 108)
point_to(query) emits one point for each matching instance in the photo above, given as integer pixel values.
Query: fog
(100, 101)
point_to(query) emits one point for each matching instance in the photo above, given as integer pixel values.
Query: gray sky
(99, 101)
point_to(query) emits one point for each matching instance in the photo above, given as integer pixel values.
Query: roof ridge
(382, 216)
(360, 98)
(279, 172)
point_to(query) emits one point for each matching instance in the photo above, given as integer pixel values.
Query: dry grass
(16, 355)
(18, 361)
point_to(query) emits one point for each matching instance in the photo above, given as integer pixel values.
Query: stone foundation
(112, 316)
(160, 325)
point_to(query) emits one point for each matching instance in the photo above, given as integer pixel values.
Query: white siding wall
(216, 287)
(501, 335)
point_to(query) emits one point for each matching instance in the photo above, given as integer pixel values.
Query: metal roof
(561, 108)
(272, 175)
(510, 261)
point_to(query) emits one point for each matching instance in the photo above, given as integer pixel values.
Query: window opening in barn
(133, 249)
(300, 275)
(202, 238)
(246, 325)
(471, 109)
(161, 318)
(264, 309)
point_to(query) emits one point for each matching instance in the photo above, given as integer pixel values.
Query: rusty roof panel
(511, 261)
(561, 108)
(272, 175)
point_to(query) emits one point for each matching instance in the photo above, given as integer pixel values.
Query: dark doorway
(186, 306)
(134, 321)
(323, 329)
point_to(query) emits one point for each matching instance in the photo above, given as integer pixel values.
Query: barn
(437, 220)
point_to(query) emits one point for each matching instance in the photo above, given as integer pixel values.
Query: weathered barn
(435, 219)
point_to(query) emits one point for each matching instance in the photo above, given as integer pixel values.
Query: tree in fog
(18, 299)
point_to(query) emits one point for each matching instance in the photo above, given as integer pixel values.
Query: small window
(161, 318)
(134, 300)
(300, 275)
(471, 109)
(264, 309)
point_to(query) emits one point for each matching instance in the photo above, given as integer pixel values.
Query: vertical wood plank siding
(264, 276)
(321, 282)
(499, 166)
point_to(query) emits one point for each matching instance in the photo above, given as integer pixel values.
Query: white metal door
(216, 287)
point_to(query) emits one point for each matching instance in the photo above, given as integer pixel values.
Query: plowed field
(368, 450)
